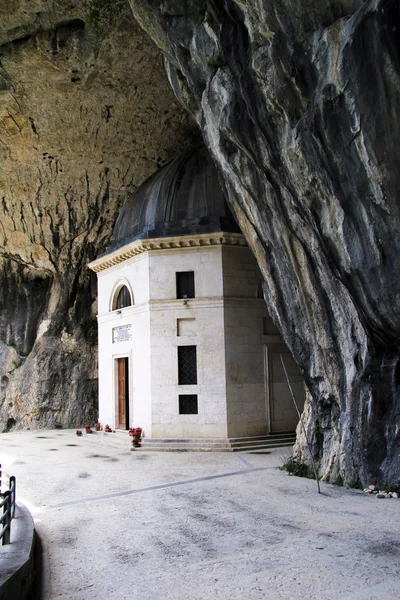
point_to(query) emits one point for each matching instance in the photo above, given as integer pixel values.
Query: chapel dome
(184, 197)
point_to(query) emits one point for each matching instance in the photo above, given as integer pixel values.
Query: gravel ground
(191, 526)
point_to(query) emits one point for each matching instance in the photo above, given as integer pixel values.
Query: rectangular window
(188, 404)
(269, 327)
(187, 365)
(185, 284)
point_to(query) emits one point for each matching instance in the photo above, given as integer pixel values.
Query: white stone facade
(226, 321)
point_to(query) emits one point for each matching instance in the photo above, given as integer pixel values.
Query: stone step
(265, 444)
(266, 436)
(207, 441)
(245, 444)
(120, 439)
(192, 446)
(195, 448)
(262, 438)
(181, 448)
(268, 446)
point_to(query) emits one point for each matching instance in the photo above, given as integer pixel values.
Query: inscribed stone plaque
(187, 327)
(122, 333)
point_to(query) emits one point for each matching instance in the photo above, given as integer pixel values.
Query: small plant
(355, 484)
(15, 364)
(295, 466)
(338, 481)
(136, 433)
(101, 13)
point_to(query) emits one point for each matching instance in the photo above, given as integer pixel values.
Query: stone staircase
(262, 442)
(243, 444)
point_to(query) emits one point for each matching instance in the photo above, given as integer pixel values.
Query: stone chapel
(187, 348)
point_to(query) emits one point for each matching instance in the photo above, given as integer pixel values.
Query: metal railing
(7, 503)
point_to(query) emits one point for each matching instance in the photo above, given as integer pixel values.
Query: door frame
(115, 358)
(271, 344)
(267, 390)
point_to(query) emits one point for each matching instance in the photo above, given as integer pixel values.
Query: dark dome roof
(183, 198)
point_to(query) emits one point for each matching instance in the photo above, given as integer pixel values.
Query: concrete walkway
(196, 526)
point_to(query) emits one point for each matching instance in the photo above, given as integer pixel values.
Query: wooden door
(123, 394)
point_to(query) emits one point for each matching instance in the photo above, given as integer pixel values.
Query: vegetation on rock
(295, 466)
(101, 14)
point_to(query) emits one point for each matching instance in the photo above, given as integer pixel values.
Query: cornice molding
(168, 243)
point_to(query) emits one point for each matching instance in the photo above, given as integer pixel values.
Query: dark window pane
(187, 365)
(188, 404)
(185, 284)
(269, 328)
(124, 298)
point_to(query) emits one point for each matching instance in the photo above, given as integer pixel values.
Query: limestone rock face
(297, 103)
(82, 123)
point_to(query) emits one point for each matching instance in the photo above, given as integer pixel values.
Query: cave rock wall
(297, 102)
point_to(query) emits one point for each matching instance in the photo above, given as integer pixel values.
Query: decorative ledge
(189, 241)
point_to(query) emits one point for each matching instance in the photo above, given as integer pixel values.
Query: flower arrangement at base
(136, 433)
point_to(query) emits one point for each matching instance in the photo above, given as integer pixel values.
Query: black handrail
(7, 503)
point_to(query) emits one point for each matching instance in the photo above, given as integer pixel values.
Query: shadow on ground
(37, 587)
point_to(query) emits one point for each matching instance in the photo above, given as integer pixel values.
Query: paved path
(196, 526)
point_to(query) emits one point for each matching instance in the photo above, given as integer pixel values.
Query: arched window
(123, 298)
